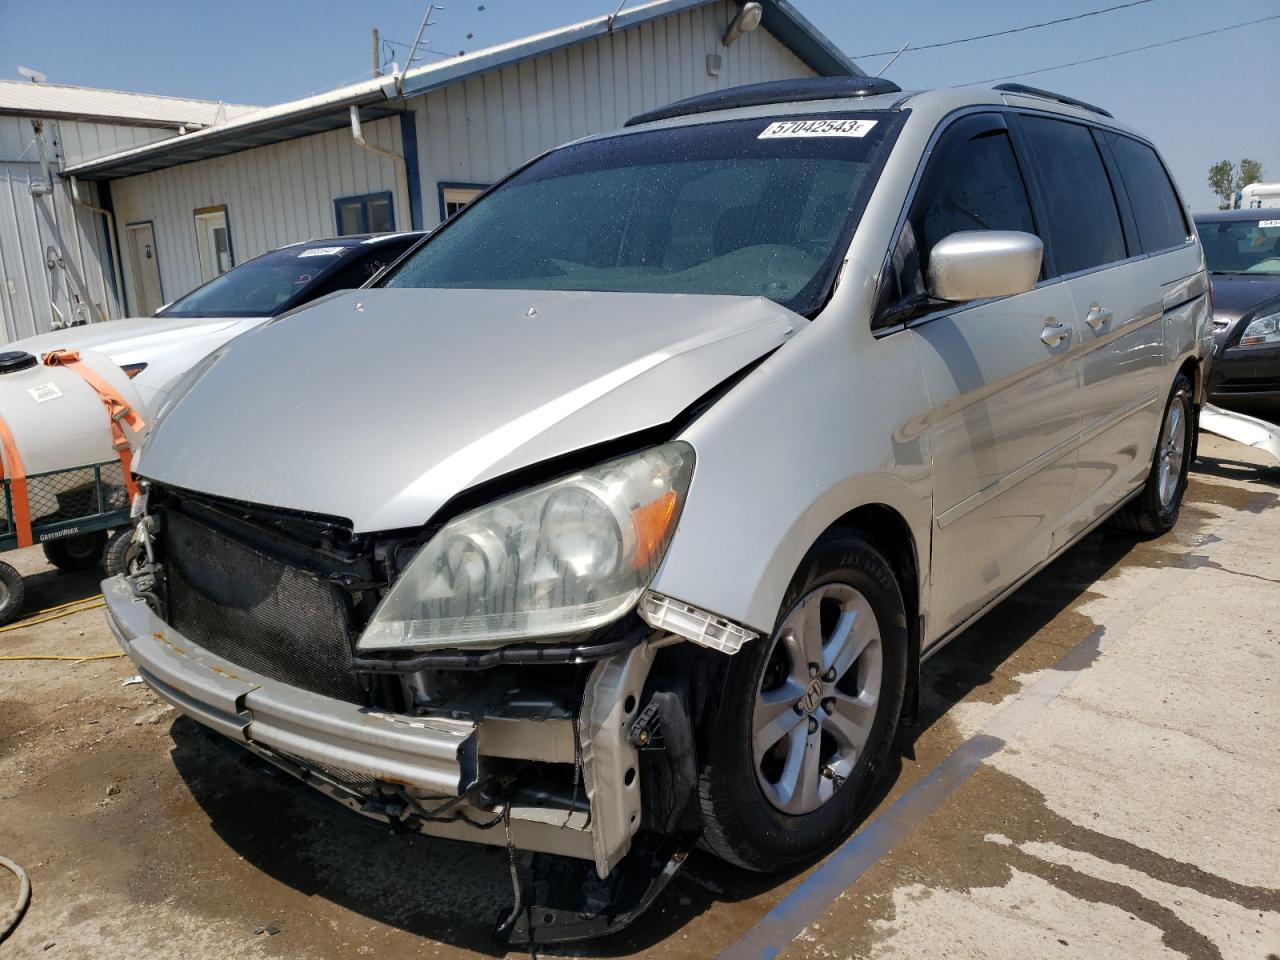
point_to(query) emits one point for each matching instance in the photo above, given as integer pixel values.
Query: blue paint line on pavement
(785, 921)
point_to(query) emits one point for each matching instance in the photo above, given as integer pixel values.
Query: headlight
(1263, 330)
(562, 558)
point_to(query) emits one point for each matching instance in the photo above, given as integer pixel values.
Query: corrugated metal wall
(274, 195)
(478, 130)
(29, 225)
(87, 141)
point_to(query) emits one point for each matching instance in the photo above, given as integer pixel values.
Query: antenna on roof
(893, 58)
(426, 22)
(35, 76)
(608, 24)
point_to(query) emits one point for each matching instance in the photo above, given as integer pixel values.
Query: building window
(213, 241)
(370, 213)
(455, 196)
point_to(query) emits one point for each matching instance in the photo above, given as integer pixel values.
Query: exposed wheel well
(1191, 367)
(889, 533)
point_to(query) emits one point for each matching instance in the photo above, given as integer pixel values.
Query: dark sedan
(1242, 252)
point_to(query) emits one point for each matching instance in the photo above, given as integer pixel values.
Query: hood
(379, 406)
(115, 338)
(1235, 294)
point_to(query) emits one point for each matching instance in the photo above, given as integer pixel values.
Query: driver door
(1003, 381)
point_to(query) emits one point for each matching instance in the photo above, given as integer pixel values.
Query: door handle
(1097, 316)
(1054, 332)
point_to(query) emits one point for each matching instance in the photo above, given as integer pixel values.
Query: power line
(1004, 33)
(1121, 53)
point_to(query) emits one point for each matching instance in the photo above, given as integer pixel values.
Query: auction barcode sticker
(44, 392)
(816, 128)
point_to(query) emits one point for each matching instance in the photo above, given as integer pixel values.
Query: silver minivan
(619, 516)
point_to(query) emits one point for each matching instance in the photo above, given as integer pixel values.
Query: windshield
(758, 207)
(262, 286)
(1241, 246)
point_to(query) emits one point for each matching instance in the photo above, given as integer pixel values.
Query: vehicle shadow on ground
(1239, 470)
(53, 588)
(454, 893)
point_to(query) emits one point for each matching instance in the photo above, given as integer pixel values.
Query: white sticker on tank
(44, 392)
(322, 252)
(1263, 224)
(817, 128)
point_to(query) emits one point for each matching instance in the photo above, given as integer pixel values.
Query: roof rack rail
(772, 91)
(1050, 95)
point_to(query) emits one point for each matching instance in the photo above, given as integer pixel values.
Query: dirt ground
(1123, 709)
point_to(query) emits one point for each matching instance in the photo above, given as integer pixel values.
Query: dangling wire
(517, 894)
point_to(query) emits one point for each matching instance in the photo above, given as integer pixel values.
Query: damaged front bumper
(342, 749)
(432, 774)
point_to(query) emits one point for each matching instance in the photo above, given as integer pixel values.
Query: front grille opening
(259, 612)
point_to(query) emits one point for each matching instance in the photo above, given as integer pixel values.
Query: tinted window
(1079, 220)
(264, 285)
(972, 183)
(1155, 206)
(746, 207)
(1241, 246)
(976, 185)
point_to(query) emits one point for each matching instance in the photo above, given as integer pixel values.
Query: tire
(12, 593)
(755, 814)
(1155, 509)
(120, 553)
(74, 554)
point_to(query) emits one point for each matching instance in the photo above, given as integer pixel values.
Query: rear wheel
(73, 554)
(12, 592)
(1155, 509)
(808, 715)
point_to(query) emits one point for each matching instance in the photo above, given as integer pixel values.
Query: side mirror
(976, 264)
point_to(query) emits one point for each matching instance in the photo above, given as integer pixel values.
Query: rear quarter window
(1156, 211)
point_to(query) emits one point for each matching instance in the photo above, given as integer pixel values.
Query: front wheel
(1155, 509)
(808, 715)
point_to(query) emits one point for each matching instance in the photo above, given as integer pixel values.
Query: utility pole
(377, 53)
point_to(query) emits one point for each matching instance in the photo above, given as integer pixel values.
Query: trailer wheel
(74, 554)
(12, 592)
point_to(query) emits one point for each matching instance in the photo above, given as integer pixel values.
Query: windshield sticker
(817, 128)
(322, 252)
(1263, 224)
(44, 392)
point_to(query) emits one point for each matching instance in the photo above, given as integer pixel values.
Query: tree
(1226, 182)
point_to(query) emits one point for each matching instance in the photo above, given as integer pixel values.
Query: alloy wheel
(1173, 446)
(817, 698)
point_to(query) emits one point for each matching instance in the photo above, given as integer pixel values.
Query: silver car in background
(619, 516)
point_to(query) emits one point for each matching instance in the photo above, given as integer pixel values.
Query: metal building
(58, 262)
(405, 150)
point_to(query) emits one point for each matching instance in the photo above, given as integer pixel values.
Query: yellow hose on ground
(52, 616)
(70, 603)
(77, 659)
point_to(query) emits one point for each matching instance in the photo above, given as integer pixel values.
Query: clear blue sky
(1203, 100)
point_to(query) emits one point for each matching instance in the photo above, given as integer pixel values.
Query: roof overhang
(378, 97)
(232, 138)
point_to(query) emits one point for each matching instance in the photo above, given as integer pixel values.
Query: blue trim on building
(806, 41)
(409, 150)
(444, 185)
(364, 199)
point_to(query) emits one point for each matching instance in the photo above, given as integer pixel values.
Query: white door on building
(213, 239)
(145, 264)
